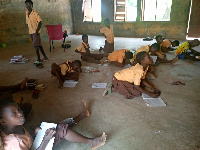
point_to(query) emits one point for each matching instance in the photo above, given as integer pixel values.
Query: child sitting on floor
(68, 70)
(107, 31)
(130, 82)
(166, 44)
(121, 57)
(83, 48)
(185, 51)
(15, 137)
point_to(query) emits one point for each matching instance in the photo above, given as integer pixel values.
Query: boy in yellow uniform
(185, 51)
(107, 31)
(68, 70)
(34, 24)
(166, 45)
(130, 82)
(121, 57)
(83, 48)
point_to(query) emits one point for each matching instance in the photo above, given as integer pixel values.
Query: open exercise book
(153, 102)
(40, 135)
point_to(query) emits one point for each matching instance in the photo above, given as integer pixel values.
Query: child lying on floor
(83, 48)
(130, 82)
(121, 57)
(107, 31)
(185, 51)
(69, 70)
(15, 137)
(166, 45)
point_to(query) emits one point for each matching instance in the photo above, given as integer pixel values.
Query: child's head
(159, 39)
(175, 43)
(154, 47)
(107, 22)
(10, 113)
(29, 4)
(128, 55)
(194, 43)
(76, 65)
(85, 38)
(144, 58)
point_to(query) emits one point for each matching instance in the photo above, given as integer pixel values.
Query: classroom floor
(129, 123)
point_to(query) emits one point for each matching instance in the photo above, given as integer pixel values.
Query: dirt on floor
(129, 123)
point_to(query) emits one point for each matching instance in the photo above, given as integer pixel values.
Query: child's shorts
(182, 56)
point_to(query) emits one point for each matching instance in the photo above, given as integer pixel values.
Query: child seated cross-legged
(15, 137)
(185, 51)
(120, 57)
(69, 70)
(83, 48)
(107, 31)
(130, 82)
(166, 45)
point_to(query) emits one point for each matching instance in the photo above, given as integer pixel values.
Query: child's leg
(191, 57)
(37, 52)
(42, 51)
(90, 59)
(84, 113)
(167, 61)
(55, 69)
(93, 143)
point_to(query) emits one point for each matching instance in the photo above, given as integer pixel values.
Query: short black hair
(176, 42)
(140, 56)
(77, 63)
(156, 46)
(5, 100)
(128, 55)
(158, 36)
(84, 35)
(29, 1)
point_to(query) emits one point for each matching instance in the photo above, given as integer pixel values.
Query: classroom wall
(13, 25)
(174, 29)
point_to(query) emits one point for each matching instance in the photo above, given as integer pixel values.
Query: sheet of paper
(99, 85)
(40, 135)
(153, 102)
(127, 66)
(70, 83)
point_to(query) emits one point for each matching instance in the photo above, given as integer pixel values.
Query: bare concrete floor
(130, 124)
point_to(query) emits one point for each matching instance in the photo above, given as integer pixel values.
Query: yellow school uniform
(141, 49)
(133, 74)
(66, 67)
(118, 55)
(81, 47)
(166, 43)
(108, 34)
(33, 20)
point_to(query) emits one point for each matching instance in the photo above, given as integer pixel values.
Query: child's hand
(49, 134)
(154, 95)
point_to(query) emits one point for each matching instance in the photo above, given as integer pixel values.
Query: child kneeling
(130, 82)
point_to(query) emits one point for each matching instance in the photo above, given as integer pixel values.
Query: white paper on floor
(70, 83)
(99, 85)
(154, 58)
(127, 66)
(153, 102)
(40, 135)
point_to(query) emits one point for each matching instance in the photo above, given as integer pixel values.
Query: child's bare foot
(23, 84)
(100, 141)
(174, 60)
(85, 111)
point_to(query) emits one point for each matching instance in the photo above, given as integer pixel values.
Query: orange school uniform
(118, 55)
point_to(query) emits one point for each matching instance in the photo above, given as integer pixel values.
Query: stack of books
(18, 59)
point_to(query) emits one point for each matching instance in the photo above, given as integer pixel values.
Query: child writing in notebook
(84, 50)
(15, 137)
(69, 70)
(121, 57)
(166, 45)
(130, 82)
